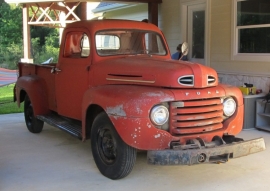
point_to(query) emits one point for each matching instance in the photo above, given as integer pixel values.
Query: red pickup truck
(116, 84)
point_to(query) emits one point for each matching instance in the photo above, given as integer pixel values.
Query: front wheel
(113, 157)
(34, 125)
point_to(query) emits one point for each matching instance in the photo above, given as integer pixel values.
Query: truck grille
(195, 116)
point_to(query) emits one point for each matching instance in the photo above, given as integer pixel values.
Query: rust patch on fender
(117, 110)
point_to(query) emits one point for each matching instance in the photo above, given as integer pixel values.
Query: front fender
(124, 101)
(234, 124)
(35, 87)
(233, 91)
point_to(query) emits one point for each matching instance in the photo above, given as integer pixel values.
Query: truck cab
(116, 84)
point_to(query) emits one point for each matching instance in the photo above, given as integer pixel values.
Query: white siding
(169, 22)
(137, 13)
(220, 47)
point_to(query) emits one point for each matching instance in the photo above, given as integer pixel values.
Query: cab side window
(85, 46)
(76, 45)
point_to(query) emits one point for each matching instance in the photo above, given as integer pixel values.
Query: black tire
(113, 157)
(33, 124)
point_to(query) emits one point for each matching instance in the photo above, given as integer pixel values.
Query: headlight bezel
(227, 103)
(154, 112)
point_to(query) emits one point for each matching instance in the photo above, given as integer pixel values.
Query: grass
(6, 101)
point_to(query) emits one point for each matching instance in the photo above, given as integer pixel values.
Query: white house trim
(262, 57)
(183, 18)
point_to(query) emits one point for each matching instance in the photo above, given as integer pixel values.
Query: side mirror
(184, 50)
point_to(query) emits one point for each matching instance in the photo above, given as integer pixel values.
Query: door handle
(53, 70)
(57, 70)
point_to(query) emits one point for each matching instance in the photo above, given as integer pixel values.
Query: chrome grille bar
(196, 116)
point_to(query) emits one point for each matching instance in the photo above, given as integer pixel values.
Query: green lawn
(6, 101)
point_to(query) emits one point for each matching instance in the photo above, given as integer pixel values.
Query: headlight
(229, 107)
(159, 115)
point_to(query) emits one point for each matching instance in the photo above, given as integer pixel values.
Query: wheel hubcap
(29, 114)
(106, 146)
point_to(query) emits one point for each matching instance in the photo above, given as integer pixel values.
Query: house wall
(136, 12)
(230, 71)
(170, 23)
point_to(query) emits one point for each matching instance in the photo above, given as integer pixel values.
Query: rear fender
(35, 88)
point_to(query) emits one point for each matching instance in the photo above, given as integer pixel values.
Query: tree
(10, 24)
(44, 40)
(10, 35)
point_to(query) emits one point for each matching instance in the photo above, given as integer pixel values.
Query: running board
(62, 123)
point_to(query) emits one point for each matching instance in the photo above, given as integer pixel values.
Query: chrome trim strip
(178, 104)
(126, 80)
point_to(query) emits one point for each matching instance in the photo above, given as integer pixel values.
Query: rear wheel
(114, 158)
(33, 124)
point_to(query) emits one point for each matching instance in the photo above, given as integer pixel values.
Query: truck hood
(147, 70)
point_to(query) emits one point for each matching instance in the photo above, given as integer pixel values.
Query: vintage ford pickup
(116, 84)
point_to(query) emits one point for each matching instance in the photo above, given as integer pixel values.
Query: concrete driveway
(53, 160)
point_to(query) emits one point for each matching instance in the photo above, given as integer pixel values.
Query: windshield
(129, 42)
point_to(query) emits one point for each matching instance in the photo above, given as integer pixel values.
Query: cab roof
(95, 25)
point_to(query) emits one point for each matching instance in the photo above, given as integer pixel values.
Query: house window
(252, 30)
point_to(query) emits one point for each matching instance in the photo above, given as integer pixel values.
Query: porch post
(83, 15)
(81, 11)
(153, 13)
(26, 36)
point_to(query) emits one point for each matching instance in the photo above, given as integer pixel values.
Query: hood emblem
(209, 92)
(217, 91)
(198, 93)
(187, 94)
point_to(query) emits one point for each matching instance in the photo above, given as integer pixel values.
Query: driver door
(72, 72)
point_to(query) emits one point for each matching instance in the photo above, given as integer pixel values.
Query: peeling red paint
(117, 110)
